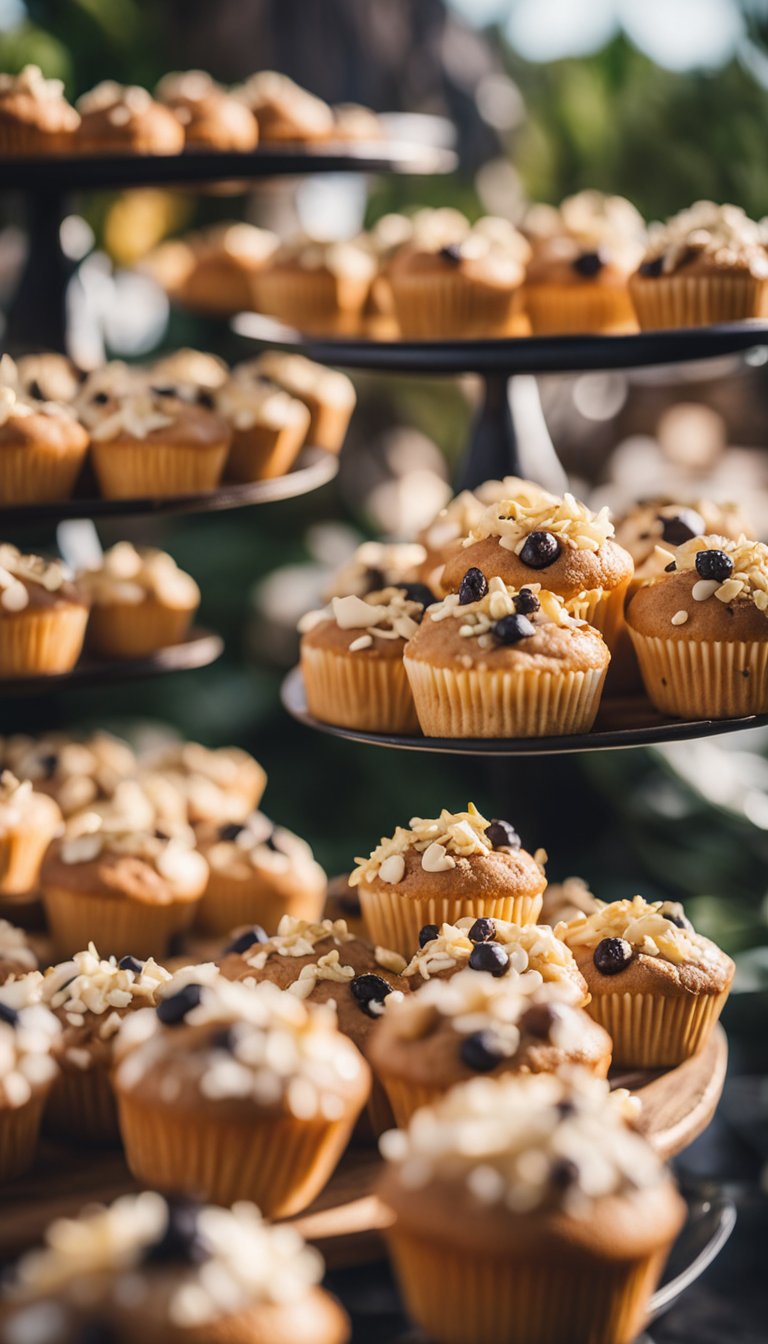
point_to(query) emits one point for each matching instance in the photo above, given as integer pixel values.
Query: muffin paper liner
(115, 924)
(135, 630)
(278, 1162)
(142, 470)
(405, 1098)
(264, 451)
(81, 1106)
(312, 300)
(37, 474)
(569, 309)
(604, 610)
(697, 300)
(21, 853)
(461, 1297)
(653, 1031)
(358, 690)
(394, 921)
(18, 138)
(328, 424)
(480, 702)
(703, 679)
(42, 640)
(229, 902)
(19, 1132)
(452, 306)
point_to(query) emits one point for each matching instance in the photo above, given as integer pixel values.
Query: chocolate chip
(8, 1014)
(714, 565)
(653, 268)
(482, 931)
(131, 964)
(612, 955)
(511, 629)
(230, 830)
(418, 592)
(451, 253)
(206, 399)
(473, 586)
(563, 1173)
(538, 1019)
(246, 939)
(174, 1009)
(481, 1051)
(526, 602)
(540, 549)
(502, 835)
(588, 264)
(681, 526)
(489, 957)
(674, 912)
(181, 1242)
(224, 1039)
(670, 568)
(100, 398)
(370, 991)
(35, 391)
(427, 933)
(566, 1108)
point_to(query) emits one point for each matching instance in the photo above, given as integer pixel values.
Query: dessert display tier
(314, 467)
(200, 649)
(347, 1220)
(621, 722)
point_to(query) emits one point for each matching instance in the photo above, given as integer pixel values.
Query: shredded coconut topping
(723, 233)
(387, 614)
(172, 854)
(246, 403)
(459, 834)
(89, 983)
(478, 618)
(535, 954)
(137, 414)
(568, 519)
(465, 510)
(748, 580)
(298, 938)
(262, 846)
(129, 577)
(14, 946)
(643, 924)
(31, 81)
(26, 1065)
(377, 565)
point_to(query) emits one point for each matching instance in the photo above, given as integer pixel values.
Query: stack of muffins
(451, 1012)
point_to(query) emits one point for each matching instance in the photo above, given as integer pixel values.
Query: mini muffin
(583, 256)
(569, 548)
(258, 872)
(149, 445)
(443, 869)
(316, 287)
(527, 1210)
(223, 784)
(210, 117)
(375, 565)
(118, 119)
(223, 268)
(706, 264)
(35, 117)
(492, 662)
(77, 773)
(47, 377)
(269, 428)
(284, 111)
(451, 1030)
(170, 1271)
(90, 996)
(193, 368)
(43, 616)
(28, 823)
(42, 445)
(453, 524)
(565, 900)
(329, 395)
(237, 1092)
(527, 955)
(458, 284)
(657, 986)
(700, 630)
(140, 602)
(130, 892)
(352, 660)
(16, 956)
(28, 1033)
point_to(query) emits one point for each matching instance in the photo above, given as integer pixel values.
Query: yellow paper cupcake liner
(156, 470)
(279, 1163)
(556, 310)
(394, 921)
(125, 630)
(81, 1106)
(458, 1297)
(703, 679)
(313, 301)
(696, 300)
(358, 690)
(603, 609)
(19, 1133)
(480, 702)
(263, 452)
(18, 138)
(452, 306)
(328, 423)
(652, 1031)
(42, 640)
(405, 1098)
(229, 902)
(21, 853)
(33, 474)
(116, 925)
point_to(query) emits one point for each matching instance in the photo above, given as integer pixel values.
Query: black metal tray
(201, 648)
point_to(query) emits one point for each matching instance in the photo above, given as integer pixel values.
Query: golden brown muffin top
(154, 868)
(30, 581)
(592, 238)
(218, 784)
(462, 513)
(380, 622)
(35, 101)
(127, 117)
(284, 110)
(28, 1035)
(301, 377)
(210, 116)
(491, 250)
(129, 577)
(713, 588)
(654, 528)
(257, 845)
(340, 259)
(76, 772)
(47, 377)
(532, 955)
(703, 240)
(152, 417)
(244, 404)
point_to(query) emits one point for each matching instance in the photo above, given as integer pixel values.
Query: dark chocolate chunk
(473, 586)
(489, 957)
(612, 955)
(246, 939)
(526, 602)
(131, 964)
(511, 629)
(481, 1051)
(426, 934)
(181, 1242)
(173, 1010)
(588, 264)
(540, 549)
(370, 991)
(681, 526)
(482, 931)
(502, 835)
(714, 565)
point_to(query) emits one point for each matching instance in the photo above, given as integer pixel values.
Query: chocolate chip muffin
(257, 874)
(527, 955)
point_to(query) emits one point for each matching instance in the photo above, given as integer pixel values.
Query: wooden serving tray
(347, 1220)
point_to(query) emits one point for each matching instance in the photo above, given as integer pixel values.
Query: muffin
(130, 892)
(90, 996)
(192, 368)
(565, 900)
(328, 394)
(42, 446)
(210, 117)
(149, 445)
(284, 111)
(525, 955)
(583, 255)
(377, 564)
(352, 660)
(28, 1033)
(237, 1092)
(170, 1271)
(16, 956)
(43, 616)
(140, 602)
(492, 662)
(35, 117)
(28, 823)
(453, 524)
(269, 428)
(700, 630)
(77, 773)
(219, 785)
(706, 264)
(47, 377)
(464, 283)
(224, 264)
(316, 287)
(475, 1022)
(527, 1210)
(657, 986)
(115, 119)
(570, 549)
(443, 869)
(258, 872)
